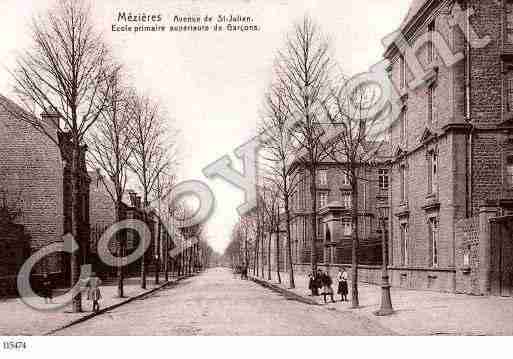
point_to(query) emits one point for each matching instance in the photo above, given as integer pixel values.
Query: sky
(212, 84)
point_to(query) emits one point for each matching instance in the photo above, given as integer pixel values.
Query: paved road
(215, 303)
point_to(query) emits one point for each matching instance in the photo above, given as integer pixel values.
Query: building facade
(452, 143)
(36, 179)
(334, 224)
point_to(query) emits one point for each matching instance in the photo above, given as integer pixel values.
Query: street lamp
(386, 300)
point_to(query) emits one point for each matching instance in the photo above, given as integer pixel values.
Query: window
(433, 238)
(431, 47)
(466, 257)
(322, 177)
(346, 199)
(383, 179)
(320, 229)
(404, 244)
(364, 196)
(509, 21)
(323, 199)
(509, 171)
(431, 105)
(345, 179)
(432, 172)
(347, 227)
(404, 192)
(402, 73)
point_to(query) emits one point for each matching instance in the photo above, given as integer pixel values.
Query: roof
(12, 107)
(415, 7)
(413, 11)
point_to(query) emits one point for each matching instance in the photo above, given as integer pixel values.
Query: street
(216, 303)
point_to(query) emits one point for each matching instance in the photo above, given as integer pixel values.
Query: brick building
(31, 173)
(102, 214)
(453, 142)
(35, 175)
(334, 229)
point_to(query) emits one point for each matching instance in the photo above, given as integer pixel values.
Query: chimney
(133, 197)
(51, 119)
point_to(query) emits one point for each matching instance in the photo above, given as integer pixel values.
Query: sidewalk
(18, 319)
(422, 312)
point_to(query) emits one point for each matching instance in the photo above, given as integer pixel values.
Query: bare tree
(63, 73)
(270, 206)
(355, 147)
(110, 150)
(277, 159)
(302, 71)
(151, 154)
(164, 185)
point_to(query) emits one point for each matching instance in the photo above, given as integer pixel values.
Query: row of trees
(312, 114)
(71, 74)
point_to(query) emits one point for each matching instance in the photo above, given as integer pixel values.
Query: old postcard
(255, 168)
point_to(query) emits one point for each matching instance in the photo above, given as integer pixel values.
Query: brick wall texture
(31, 168)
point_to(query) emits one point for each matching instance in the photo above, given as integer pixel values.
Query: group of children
(91, 284)
(319, 279)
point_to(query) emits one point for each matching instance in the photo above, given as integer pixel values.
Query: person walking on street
(47, 289)
(342, 284)
(327, 286)
(93, 291)
(311, 284)
(317, 282)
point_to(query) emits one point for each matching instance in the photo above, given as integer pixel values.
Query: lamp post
(386, 300)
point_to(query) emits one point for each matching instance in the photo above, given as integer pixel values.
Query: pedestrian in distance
(327, 288)
(311, 284)
(93, 291)
(342, 284)
(47, 288)
(318, 282)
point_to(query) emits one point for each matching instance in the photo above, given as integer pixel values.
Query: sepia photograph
(255, 168)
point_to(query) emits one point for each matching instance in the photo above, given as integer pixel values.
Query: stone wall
(467, 256)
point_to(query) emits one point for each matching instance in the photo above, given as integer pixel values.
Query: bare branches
(110, 144)
(152, 158)
(67, 71)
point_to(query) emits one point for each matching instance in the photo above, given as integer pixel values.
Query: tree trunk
(257, 240)
(313, 242)
(355, 303)
(157, 252)
(292, 283)
(165, 255)
(121, 252)
(269, 256)
(278, 248)
(76, 256)
(262, 256)
(143, 257)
